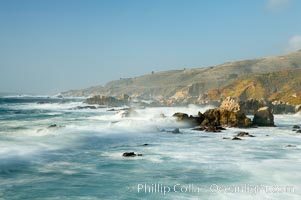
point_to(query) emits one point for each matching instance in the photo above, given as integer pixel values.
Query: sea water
(81, 157)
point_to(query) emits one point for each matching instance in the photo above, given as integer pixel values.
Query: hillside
(224, 78)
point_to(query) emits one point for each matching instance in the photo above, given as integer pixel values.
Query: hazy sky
(47, 46)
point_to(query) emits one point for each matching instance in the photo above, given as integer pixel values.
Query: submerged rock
(176, 130)
(236, 138)
(129, 113)
(53, 126)
(85, 107)
(290, 145)
(244, 134)
(264, 117)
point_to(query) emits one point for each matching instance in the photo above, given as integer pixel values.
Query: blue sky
(55, 45)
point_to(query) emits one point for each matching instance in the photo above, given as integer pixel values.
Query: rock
(298, 131)
(226, 138)
(212, 129)
(129, 113)
(145, 144)
(298, 108)
(244, 134)
(53, 126)
(130, 154)
(248, 107)
(296, 127)
(193, 121)
(176, 130)
(264, 117)
(108, 101)
(230, 104)
(220, 117)
(290, 145)
(236, 138)
(280, 107)
(124, 97)
(85, 107)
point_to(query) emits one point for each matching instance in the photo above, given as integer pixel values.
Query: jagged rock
(231, 104)
(107, 101)
(193, 121)
(130, 154)
(236, 138)
(220, 117)
(280, 107)
(296, 127)
(264, 117)
(248, 107)
(244, 134)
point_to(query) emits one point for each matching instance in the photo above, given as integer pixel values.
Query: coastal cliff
(276, 78)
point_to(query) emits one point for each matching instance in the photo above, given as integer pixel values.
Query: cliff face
(283, 85)
(272, 77)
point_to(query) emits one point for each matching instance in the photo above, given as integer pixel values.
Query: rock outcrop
(221, 117)
(108, 100)
(191, 120)
(248, 107)
(263, 117)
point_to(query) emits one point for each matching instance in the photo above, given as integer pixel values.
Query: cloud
(294, 44)
(277, 5)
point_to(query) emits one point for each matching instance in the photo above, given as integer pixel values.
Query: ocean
(53, 149)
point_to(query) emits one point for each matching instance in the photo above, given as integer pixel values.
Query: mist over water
(81, 158)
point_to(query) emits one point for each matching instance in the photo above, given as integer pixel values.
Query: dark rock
(264, 117)
(290, 145)
(176, 130)
(192, 121)
(108, 101)
(53, 126)
(130, 154)
(212, 129)
(298, 131)
(244, 134)
(296, 127)
(145, 144)
(236, 138)
(85, 107)
(267, 135)
(280, 107)
(226, 138)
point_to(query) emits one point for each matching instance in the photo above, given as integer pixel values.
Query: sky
(49, 46)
